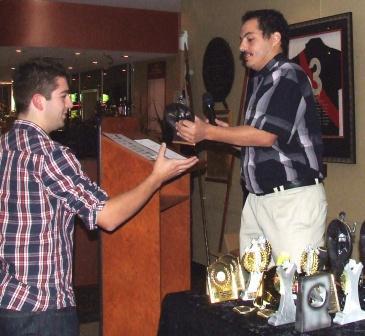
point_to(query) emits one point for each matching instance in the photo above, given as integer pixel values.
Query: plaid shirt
(42, 189)
(280, 101)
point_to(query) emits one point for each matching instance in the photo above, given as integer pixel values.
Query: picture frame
(323, 47)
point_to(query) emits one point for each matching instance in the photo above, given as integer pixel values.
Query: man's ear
(38, 101)
(276, 37)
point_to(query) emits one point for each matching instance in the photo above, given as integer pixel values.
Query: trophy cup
(286, 312)
(352, 311)
(255, 260)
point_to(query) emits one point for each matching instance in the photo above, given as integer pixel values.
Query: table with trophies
(324, 295)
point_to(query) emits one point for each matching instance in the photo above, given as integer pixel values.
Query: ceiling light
(18, 50)
(125, 56)
(94, 62)
(77, 53)
(70, 68)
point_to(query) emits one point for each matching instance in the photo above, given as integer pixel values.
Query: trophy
(286, 312)
(268, 294)
(221, 282)
(313, 302)
(309, 261)
(233, 263)
(255, 260)
(173, 113)
(339, 244)
(362, 249)
(352, 311)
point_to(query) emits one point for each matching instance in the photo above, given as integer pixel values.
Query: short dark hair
(269, 22)
(37, 75)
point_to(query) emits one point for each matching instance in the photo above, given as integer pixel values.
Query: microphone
(208, 108)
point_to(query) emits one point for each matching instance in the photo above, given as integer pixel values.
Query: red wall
(35, 23)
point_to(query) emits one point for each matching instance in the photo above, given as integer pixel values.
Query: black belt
(291, 185)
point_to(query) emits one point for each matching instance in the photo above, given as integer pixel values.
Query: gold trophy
(235, 267)
(255, 260)
(221, 282)
(309, 261)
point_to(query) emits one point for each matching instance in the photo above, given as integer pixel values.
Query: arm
(239, 135)
(121, 207)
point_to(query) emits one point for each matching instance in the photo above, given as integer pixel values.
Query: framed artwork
(323, 47)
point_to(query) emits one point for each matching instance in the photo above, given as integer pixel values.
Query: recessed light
(70, 68)
(77, 53)
(125, 56)
(94, 62)
(18, 50)
(124, 70)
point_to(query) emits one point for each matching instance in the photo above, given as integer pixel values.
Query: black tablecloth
(189, 314)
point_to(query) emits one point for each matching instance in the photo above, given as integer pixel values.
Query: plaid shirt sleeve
(64, 179)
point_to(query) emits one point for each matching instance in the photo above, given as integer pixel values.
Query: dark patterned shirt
(280, 101)
(42, 189)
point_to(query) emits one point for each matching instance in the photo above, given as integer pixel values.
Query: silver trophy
(287, 310)
(352, 311)
(314, 296)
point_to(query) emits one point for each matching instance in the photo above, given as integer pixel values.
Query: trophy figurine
(352, 311)
(255, 260)
(287, 310)
(309, 261)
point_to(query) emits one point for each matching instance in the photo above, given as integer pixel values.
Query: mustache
(243, 54)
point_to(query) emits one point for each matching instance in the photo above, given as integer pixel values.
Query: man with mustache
(281, 143)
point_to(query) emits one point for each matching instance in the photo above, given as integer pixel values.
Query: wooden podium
(149, 256)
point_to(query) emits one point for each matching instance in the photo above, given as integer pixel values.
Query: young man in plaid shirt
(42, 189)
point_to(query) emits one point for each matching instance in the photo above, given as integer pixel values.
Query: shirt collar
(25, 124)
(269, 65)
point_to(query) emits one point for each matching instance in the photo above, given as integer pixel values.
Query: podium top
(144, 147)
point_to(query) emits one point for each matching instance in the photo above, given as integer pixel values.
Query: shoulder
(289, 70)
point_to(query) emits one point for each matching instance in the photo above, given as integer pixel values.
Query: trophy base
(279, 318)
(341, 318)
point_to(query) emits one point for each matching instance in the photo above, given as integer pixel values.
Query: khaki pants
(290, 220)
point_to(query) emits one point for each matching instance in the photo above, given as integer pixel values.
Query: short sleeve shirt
(280, 101)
